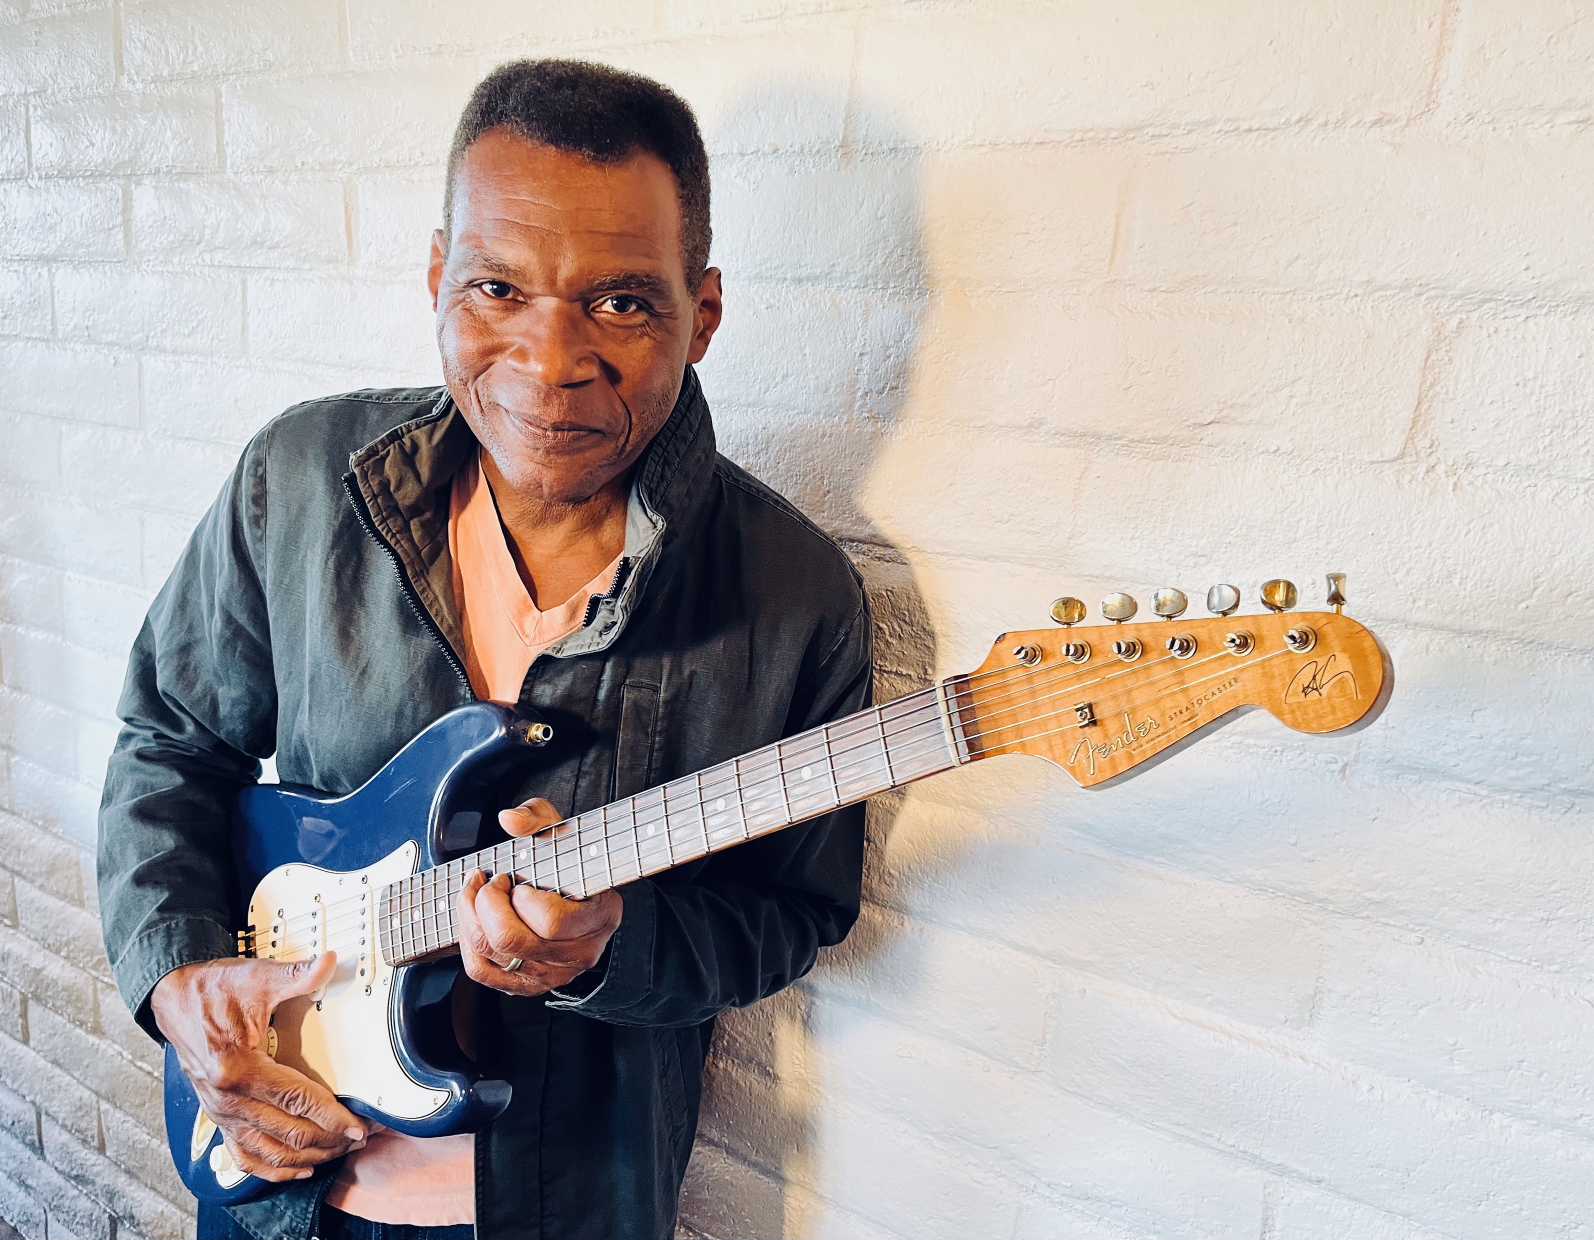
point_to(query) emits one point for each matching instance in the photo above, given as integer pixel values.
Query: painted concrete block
(188, 38)
(123, 132)
(150, 309)
(237, 221)
(56, 220)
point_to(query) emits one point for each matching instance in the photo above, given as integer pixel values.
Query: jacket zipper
(406, 588)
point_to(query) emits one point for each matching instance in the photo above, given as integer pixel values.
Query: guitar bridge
(1086, 714)
(246, 942)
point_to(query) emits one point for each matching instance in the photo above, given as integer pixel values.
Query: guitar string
(339, 925)
(580, 840)
(1133, 706)
(439, 929)
(554, 862)
(648, 845)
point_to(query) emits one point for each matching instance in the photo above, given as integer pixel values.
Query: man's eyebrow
(481, 261)
(631, 282)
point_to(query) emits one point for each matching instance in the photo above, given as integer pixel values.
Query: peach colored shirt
(430, 1181)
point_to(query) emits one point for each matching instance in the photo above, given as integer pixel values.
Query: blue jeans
(216, 1224)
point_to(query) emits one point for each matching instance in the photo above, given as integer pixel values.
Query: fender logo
(1132, 734)
(1314, 679)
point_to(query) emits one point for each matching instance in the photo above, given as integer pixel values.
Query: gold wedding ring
(514, 965)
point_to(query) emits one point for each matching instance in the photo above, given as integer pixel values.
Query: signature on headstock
(1315, 679)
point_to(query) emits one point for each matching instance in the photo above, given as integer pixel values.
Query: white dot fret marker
(651, 828)
(808, 772)
(720, 804)
(592, 850)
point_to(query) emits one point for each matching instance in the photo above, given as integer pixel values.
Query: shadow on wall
(817, 231)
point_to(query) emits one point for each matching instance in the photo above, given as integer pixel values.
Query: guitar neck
(756, 794)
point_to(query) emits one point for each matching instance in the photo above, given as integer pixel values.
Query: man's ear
(709, 306)
(434, 269)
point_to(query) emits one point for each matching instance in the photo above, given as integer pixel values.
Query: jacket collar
(403, 478)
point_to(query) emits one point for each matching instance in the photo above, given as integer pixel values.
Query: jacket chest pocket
(636, 743)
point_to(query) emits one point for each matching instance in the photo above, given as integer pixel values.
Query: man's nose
(555, 344)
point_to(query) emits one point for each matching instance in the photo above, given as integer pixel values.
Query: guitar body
(380, 1038)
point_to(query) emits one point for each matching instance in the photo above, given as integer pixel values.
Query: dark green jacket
(312, 616)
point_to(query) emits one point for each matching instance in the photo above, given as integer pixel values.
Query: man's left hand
(555, 939)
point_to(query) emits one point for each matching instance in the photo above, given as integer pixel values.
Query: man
(555, 529)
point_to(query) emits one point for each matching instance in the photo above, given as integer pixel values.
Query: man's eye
(498, 290)
(622, 303)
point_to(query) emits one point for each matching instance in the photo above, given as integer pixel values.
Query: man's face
(564, 317)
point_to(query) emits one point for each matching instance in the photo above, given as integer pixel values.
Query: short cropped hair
(603, 114)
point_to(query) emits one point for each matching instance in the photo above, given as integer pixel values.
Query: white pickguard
(340, 1036)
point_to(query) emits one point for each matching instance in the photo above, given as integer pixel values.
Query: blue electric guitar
(374, 876)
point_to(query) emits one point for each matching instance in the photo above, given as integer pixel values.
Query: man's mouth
(555, 433)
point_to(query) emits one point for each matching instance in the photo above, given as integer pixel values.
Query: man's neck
(559, 547)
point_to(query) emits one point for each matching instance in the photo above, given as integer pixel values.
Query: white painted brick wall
(1023, 299)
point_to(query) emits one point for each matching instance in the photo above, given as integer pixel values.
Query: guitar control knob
(1067, 611)
(1278, 594)
(1221, 600)
(1118, 607)
(1169, 603)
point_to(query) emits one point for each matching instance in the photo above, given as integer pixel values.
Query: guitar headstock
(1100, 700)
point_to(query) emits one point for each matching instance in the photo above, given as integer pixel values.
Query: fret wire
(608, 861)
(830, 765)
(702, 814)
(664, 805)
(780, 774)
(420, 912)
(741, 805)
(418, 915)
(636, 840)
(426, 911)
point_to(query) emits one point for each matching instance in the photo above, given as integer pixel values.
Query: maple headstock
(1065, 695)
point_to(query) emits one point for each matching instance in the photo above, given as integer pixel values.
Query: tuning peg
(1067, 611)
(1336, 591)
(1169, 603)
(1278, 594)
(1221, 600)
(1118, 607)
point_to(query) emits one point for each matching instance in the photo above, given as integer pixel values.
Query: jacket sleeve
(198, 710)
(753, 919)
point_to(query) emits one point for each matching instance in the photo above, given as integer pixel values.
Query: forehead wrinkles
(518, 190)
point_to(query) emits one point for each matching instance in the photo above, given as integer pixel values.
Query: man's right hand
(277, 1123)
